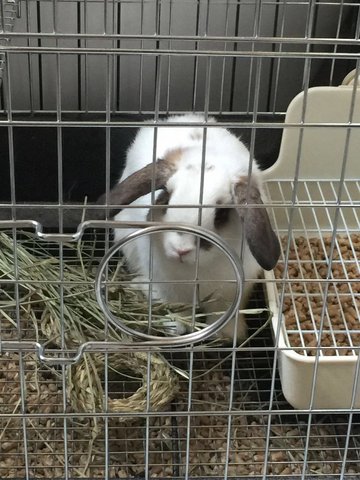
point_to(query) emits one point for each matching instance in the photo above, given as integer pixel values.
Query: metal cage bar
(100, 393)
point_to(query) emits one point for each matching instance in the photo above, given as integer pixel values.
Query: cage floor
(198, 438)
(229, 418)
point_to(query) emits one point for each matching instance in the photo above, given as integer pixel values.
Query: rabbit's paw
(145, 286)
(172, 327)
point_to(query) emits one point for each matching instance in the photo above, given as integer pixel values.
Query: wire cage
(87, 388)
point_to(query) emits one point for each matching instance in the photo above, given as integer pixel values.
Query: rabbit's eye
(221, 217)
(163, 199)
(205, 244)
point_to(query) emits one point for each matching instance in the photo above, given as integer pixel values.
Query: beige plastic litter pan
(322, 380)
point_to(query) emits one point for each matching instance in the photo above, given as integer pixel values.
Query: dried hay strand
(77, 319)
(87, 397)
(169, 453)
(195, 444)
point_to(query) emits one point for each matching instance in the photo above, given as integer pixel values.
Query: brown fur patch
(173, 156)
(242, 181)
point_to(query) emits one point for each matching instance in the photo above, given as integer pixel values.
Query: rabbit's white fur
(227, 160)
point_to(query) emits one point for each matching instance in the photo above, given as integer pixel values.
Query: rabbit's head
(214, 195)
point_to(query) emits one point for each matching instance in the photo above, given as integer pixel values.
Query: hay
(169, 452)
(193, 444)
(39, 301)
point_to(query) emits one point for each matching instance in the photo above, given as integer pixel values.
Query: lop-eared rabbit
(182, 181)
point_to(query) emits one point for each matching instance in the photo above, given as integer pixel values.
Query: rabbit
(176, 177)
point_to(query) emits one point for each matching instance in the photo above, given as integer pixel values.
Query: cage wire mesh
(77, 80)
(9, 11)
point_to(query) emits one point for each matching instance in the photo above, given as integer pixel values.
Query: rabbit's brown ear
(261, 238)
(138, 184)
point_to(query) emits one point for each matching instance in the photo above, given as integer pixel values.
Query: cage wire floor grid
(195, 436)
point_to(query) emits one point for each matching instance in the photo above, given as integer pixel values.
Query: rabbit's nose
(182, 252)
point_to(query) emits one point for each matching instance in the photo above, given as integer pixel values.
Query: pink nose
(183, 251)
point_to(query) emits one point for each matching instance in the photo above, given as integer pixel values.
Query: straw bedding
(41, 307)
(208, 435)
(77, 443)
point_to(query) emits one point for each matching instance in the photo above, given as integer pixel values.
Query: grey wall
(41, 82)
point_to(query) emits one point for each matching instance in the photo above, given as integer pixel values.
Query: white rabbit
(177, 177)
